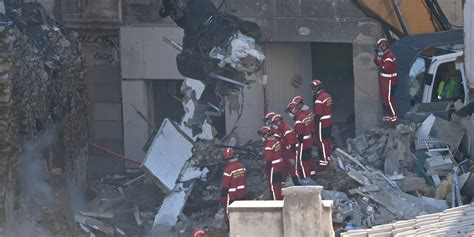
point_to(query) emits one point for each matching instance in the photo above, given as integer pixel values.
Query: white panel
(167, 155)
(146, 56)
(134, 128)
(469, 41)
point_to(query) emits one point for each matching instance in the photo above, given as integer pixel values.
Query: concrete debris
(441, 130)
(466, 110)
(107, 215)
(170, 209)
(95, 224)
(86, 230)
(411, 184)
(439, 166)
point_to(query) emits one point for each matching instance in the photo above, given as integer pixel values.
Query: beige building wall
(453, 9)
(287, 63)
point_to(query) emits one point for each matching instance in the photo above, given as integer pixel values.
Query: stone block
(301, 204)
(410, 184)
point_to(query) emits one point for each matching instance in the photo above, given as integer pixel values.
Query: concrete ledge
(256, 206)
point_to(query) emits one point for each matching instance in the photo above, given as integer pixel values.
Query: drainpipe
(400, 16)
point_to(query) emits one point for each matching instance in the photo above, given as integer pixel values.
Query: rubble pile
(121, 204)
(398, 173)
(43, 119)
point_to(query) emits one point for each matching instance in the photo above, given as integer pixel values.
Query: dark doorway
(332, 64)
(167, 104)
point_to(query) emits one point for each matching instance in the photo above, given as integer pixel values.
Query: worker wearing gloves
(233, 181)
(303, 128)
(388, 80)
(322, 123)
(288, 144)
(274, 165)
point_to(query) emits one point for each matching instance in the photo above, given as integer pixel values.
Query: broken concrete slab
(95, 224)
(467, 110)
(361, 143)
(171, 208)
(108, 215)
(441, 130)
(410, 184)
(167, 155)
(365, 189)
(359, 177)
(439, 166)
(193, 173)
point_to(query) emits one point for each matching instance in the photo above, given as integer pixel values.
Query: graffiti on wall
(105, 40)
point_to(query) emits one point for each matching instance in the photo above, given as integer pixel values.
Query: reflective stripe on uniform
(307, 137)
(287, 132)
(325, 117)
(389, 100)
(388, 75)
(389, 59)
(271, 184)
(235, 189)
(277, 161)
(298, 122)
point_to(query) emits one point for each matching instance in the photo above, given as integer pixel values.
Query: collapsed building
(133, 86)
(43, 124)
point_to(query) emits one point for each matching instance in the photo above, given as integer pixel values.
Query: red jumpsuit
(304, 120)
(274, 167)
(388, 81)
(233, 184)
(323, 125)
(288, 143)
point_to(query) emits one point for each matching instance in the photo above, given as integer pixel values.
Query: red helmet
(228, 153)
(268, 118)
(298, 100)
(316, 86)
(291, 107)
(199, 233)
(382, 44)
(277, 118)
(266, 131)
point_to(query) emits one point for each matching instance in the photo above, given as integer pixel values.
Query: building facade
(130, 66)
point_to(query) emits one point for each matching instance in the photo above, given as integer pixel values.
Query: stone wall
(42, 91)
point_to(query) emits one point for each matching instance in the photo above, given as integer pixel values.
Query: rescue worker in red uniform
(388, 79)
(274, 165)
(303, 128)
(323, 123)
(233, 181)
(288, 143)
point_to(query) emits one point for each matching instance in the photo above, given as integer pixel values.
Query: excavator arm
(407, 17)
